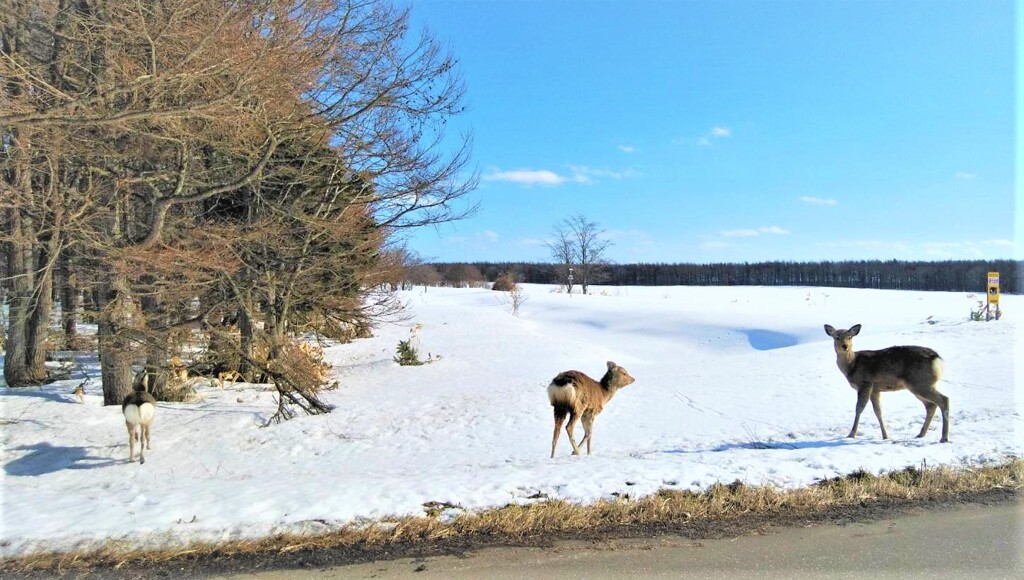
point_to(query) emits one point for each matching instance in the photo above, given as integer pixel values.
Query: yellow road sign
(993, 287)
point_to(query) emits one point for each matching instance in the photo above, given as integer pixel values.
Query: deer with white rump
(873, 372)
(139, 409)
(575, 394)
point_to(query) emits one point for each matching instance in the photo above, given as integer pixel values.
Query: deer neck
(846, 361)
(607, 386)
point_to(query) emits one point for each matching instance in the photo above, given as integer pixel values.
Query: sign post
(993, 296)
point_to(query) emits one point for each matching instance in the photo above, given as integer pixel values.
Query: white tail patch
(146, 412)
(133, 414)
(561, 394)
(938, 366)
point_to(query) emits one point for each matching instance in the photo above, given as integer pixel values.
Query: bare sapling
(139, 409)
(873, 372)
(575, 394)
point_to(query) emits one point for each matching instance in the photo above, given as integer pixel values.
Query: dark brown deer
(575, 394)
(873, 372)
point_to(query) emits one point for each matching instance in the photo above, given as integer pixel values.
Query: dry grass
(517, 523)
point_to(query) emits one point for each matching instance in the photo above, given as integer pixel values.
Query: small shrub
(505, 283)
(180, 392)
(407, 355)
(302, 363)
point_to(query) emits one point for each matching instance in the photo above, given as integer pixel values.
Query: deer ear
(855, 330)
(829, 330)
(611, 366)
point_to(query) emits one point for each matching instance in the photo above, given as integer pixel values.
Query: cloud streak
(958, 249)
(716, 132)
(530, 177)
(818, 200)
(545, 177)
(753, 233)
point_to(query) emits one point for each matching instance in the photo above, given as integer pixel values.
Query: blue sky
(738, 131)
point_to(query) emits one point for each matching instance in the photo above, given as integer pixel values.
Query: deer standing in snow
(139, 408)
(873, 372)
(575, 394)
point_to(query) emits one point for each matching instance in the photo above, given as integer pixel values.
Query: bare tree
(563, 252)
(579, 243)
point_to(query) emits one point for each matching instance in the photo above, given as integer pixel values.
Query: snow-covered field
(717, 370)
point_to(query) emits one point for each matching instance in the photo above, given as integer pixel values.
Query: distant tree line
(946, 276)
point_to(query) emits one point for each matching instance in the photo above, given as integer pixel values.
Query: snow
(718, 371)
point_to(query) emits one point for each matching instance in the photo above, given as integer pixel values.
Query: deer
(139, 409)
(575, 394)
(873, 372)
(232, 376)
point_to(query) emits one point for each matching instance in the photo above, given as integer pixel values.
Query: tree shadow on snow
(821, 444)
(38, 392)
(45, 458)
(768, 445)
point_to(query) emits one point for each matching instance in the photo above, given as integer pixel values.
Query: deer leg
(131, 442)
(569, 429)
(559, 419)
(863, 395)
(145, 435)
(929, 412)
(876, 405)
(943, 402)
(588, 430)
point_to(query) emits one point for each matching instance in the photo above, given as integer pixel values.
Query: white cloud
(627, 148)
(873, 244)
(715, 132)
(964, 175)
(740, 233)
(715, 245)
(818, 200)
(546, 177)
(528, 177)
(966, 248)
(1003, 243)
(938, 250)
(584, 174)
(751, 233)
(532, 242)
(474, 239)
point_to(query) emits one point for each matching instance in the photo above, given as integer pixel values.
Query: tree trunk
(248, 341)
(118, 313)
(158, 351)
(69, 303)
(29, 303)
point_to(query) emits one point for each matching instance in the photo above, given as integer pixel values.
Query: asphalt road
(969, 541)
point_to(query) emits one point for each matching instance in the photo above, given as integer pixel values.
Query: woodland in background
(208, 180)
(948, 276)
